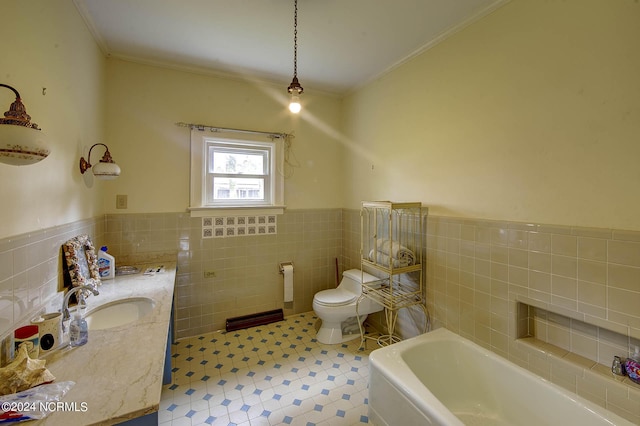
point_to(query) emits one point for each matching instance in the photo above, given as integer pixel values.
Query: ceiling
(342, 44)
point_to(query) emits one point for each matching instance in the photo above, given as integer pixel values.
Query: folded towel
(386, 261)
(396, 251)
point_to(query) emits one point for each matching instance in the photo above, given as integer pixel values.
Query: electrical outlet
(209, 274)
(121, 201)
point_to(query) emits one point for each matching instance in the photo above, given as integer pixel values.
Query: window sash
(214, 181)
(264, 153)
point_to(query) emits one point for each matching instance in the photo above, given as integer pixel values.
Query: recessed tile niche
(596, 343)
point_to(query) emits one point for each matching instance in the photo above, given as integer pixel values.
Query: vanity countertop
(118, 373)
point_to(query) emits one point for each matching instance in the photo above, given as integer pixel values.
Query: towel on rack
(405, 256)
(387, 261)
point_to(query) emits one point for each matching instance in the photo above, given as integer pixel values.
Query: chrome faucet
(65, 303)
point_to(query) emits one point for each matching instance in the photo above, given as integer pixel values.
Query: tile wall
(573, 294)
(570, 294)
(31, 271)
(242, 274)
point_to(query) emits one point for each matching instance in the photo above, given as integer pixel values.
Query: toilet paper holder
(281, 266)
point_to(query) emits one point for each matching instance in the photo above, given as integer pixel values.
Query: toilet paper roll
(287, 271)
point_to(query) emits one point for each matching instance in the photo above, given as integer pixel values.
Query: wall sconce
(21, 141)
(106, 169)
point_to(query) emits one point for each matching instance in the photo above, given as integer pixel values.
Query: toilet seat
(334, 297)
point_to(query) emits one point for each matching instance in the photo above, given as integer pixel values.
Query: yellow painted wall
(144, 103)
(45, 44)
(530, 114)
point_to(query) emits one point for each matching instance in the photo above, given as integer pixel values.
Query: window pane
(241, 162)
(238, 188)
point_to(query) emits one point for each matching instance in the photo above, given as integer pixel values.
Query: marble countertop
(118, 373)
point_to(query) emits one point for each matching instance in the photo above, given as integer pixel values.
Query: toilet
(336, 307)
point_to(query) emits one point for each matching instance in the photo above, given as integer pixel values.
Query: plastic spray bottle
(106, 264)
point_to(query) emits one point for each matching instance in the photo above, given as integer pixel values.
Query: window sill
(235, 210)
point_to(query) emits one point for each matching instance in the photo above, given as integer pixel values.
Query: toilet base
(330, 333)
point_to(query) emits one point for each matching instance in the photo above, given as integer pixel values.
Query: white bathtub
(440, 378)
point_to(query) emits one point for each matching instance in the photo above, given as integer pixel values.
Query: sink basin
(119, 312)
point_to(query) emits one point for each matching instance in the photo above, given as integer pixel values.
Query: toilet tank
(352, 280)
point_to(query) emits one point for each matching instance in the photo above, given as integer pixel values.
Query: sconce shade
(21, 142)
(106, 169)
(21, 146)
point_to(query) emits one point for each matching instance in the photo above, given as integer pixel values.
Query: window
(230, 170)
(237, 174)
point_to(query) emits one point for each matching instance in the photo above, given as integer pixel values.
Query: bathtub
(440, 378)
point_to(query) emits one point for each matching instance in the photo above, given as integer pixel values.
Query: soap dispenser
(78, 328)
(632, 366)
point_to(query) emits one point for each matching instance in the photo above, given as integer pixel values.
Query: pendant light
(295, 89)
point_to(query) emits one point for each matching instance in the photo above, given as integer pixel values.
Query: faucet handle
(617, 367)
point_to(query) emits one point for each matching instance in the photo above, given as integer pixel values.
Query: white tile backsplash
(31, 272)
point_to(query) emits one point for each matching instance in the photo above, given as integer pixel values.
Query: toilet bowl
(336, 306)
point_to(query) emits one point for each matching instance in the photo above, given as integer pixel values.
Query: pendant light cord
(295, 89)
(295, 39)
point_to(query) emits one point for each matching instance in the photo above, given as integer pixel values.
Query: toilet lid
(335, 297)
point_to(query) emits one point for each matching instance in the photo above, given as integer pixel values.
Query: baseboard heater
(261, 318)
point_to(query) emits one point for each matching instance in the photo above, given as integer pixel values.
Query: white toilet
(337, 305)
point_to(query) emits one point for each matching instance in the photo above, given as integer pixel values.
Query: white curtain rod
(203, 127)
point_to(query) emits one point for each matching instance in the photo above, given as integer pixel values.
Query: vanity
(119, 373)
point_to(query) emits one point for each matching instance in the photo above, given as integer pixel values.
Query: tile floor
(268, 375)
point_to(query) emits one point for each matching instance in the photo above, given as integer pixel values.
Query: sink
(119, 312)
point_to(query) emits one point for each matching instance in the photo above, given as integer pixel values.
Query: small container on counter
(28, 335)
(632, 366)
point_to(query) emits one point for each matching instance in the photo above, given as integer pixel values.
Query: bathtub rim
(391, 364)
